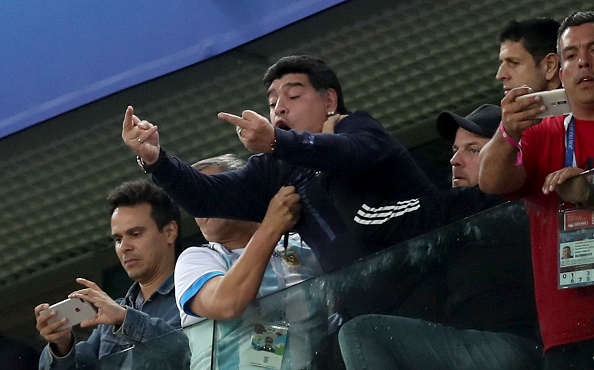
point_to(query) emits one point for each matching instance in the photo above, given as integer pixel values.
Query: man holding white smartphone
(145, 229)
(540, 160)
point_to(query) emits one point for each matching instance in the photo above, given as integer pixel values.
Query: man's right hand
(517, 116)
(141, 136)
(62, 340)
(283, 210)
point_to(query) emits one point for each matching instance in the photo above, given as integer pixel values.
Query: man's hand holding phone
(519, 114)
(61, 340)
(89, 306)
(74, 310)
(555, 101)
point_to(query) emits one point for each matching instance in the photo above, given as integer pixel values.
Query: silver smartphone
(76, 310)
(555, 100)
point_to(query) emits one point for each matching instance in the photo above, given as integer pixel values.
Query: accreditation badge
(576, 246)
(268, 345)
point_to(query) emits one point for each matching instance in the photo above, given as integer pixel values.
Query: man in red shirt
(539, 170)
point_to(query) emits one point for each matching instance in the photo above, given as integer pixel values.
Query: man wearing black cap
(469, 135)
(483, 315)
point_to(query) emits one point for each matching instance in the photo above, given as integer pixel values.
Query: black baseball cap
(483, 121)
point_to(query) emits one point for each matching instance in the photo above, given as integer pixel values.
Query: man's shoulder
(206, 257)
(474, 192)
(469, 192)
(472, 198)
(360, 117)
(360, 113)
(213, 249)
(361, 121)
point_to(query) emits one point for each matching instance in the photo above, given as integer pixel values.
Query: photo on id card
(268, 345)
(576, 258)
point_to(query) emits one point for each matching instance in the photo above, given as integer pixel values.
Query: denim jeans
(391, 342)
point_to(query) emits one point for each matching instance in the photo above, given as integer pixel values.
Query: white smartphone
(75, 310)
(555, 100)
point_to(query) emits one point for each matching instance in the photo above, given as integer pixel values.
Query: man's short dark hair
(537, 35)
(573, 20)
(163, 209)
(320, 75)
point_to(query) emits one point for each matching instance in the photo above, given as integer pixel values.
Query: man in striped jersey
(476, 309)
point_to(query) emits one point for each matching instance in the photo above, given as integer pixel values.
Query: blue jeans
(391, 342)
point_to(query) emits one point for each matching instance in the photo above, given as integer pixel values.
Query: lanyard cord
(570, 160)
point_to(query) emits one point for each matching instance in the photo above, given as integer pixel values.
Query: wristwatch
(141, 164)
(148, 168)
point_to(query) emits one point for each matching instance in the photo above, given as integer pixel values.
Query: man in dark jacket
(482, 310)
(359, 159)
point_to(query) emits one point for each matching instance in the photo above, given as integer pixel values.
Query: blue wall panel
(58, 55)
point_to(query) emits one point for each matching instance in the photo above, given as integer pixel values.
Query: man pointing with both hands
(328, 170)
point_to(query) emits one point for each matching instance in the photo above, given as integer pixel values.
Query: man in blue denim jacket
(145, 229)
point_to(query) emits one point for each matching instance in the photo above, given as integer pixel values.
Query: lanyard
(570, 160)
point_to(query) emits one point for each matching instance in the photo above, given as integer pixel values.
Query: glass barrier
(302, 322)
(296, 328)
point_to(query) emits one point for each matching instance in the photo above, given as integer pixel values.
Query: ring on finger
(238, 130)
(138, 139)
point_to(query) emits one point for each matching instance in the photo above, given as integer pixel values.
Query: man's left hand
(569, 185)
(255, 131)
(331, 123)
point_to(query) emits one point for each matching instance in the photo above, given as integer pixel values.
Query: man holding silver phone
(540, 160)
(145, 229)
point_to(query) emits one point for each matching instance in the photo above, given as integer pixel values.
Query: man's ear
(331, 100)
(550, 66)
(171, 229)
